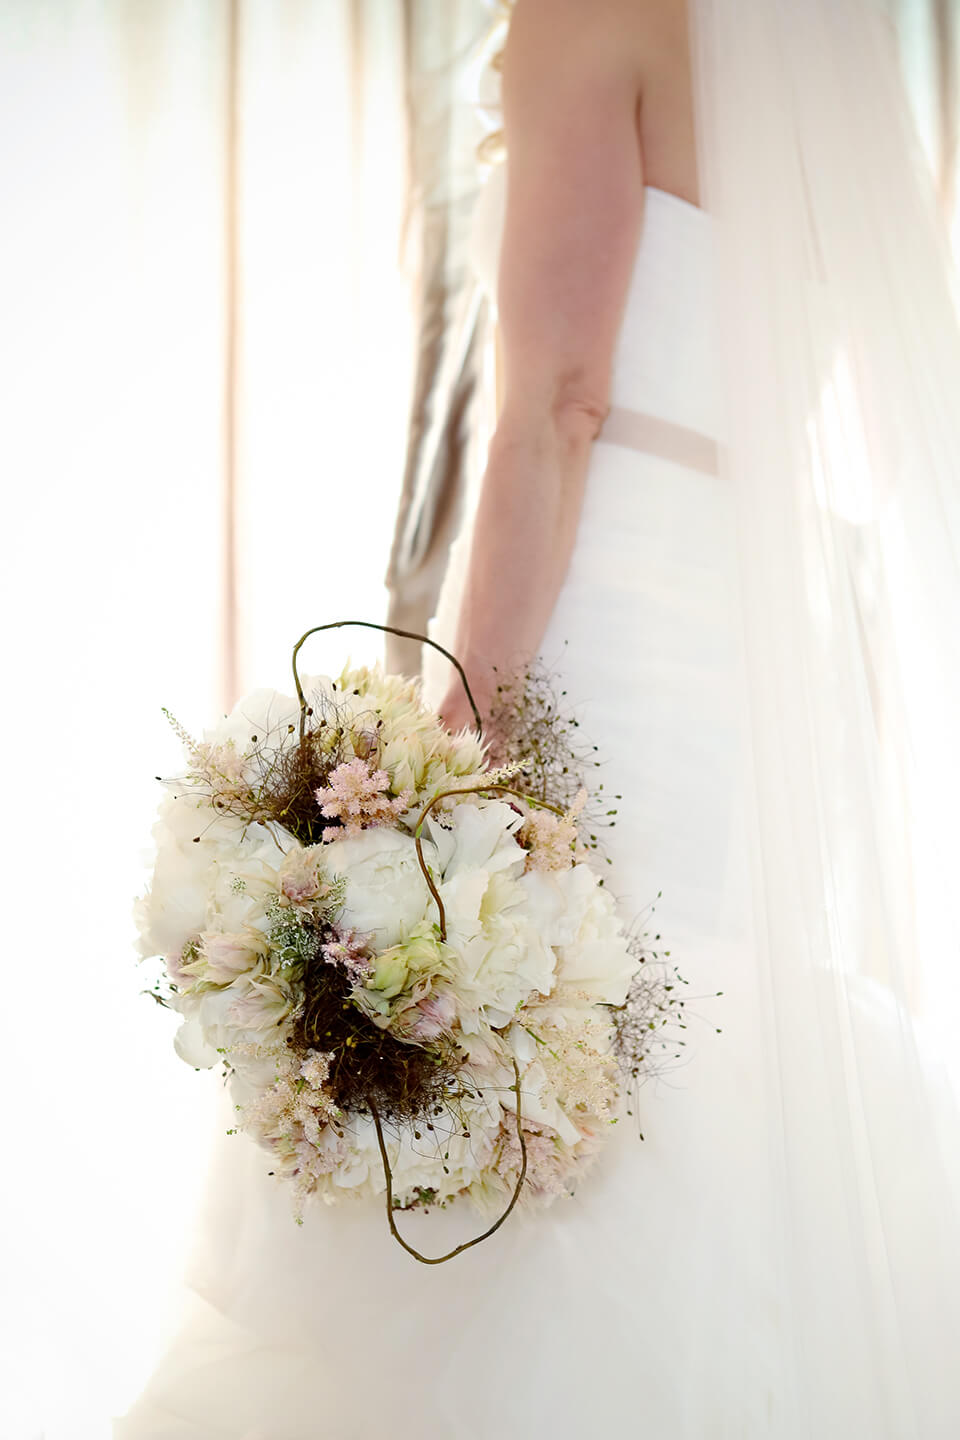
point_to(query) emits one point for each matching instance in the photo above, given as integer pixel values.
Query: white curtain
(204, 385)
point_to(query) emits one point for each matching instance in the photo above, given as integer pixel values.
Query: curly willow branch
(459, 790)
(467, 1244)
(388, 1173)
(387, 630)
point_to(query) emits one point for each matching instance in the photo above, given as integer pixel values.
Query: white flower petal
(386, 894)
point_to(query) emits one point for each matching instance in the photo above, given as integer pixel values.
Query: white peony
(386, 893)
(193, 1046)
(578, 918)
(174, 909)
(444, 1159)
(489, 922)
(501, 966)
(207, 1026)
(538, 1103)
(478, 837)
(212, 872)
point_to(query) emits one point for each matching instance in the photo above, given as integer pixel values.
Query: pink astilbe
(358, 797)
(349, 949)
(293, 1118)
(552, 839)
(551, 1165)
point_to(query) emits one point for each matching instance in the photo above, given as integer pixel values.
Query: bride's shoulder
(638, 13)
(638, 17)
(633, 34)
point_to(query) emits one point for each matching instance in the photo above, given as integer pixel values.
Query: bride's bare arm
(571, 92)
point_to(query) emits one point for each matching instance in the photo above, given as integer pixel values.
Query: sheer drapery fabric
(117, 142)
(444, 47)
(840, 353)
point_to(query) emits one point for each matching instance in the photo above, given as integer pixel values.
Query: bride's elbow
(562, 411)
(579, 415)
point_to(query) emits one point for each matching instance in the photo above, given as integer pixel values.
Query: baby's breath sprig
(530, 724)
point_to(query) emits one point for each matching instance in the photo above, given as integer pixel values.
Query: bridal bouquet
(403, 956)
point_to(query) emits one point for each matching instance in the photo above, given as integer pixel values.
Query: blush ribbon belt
(653, 435)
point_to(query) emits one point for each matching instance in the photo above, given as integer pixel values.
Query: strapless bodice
(664, 363)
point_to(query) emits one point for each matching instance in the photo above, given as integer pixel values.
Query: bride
(697, 508)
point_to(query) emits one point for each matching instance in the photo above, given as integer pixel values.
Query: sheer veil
(840, 352)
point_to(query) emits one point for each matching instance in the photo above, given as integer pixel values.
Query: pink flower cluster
(551, 1166)
(552, 839)
(358, 796)
(349, 950)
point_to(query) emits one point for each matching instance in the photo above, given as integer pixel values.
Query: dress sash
(653, 435)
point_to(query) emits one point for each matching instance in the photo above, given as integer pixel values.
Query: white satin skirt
(664, 1299)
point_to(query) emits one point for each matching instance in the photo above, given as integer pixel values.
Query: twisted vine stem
(387, 1171)
(441, 795)
(387, 630)
(467, 1244)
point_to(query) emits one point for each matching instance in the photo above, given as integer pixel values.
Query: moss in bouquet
(406, 1082)
(289, 785)
(426, 1198)
(275, 780)
(528, 724)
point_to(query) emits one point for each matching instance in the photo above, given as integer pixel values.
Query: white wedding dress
(665, 1299)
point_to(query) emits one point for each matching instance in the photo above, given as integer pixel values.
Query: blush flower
(261, 1004)
(220, 958)
(425, 1018)
(300, 874)
(176, 966)
(358, 796)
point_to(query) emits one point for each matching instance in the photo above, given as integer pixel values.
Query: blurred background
(246, 381)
